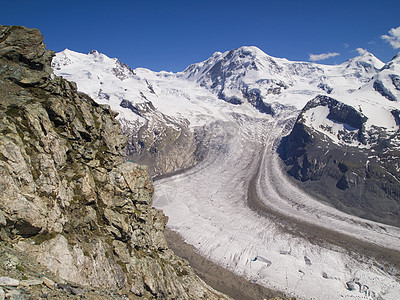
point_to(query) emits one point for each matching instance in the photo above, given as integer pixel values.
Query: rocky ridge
(363, 179)
(70, 202)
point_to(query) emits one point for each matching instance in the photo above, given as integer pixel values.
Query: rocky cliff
(362, 180)
(69, 200)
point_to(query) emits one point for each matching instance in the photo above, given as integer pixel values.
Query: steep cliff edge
(69, 200)
(333, 155)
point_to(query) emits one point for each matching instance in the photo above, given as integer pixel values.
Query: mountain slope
(387, 82)
(154, 108)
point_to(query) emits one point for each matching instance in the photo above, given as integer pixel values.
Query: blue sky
(170, 35)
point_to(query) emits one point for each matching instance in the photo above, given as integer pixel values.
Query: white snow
(317, 118)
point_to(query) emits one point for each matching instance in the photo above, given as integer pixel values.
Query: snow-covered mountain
(387, 82)
(244, 75)
(336, 128)
(248, 73)
(154, 108)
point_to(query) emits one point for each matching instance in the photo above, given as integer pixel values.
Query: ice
(207, 205)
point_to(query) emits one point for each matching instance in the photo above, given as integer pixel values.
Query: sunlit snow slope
(236, 205)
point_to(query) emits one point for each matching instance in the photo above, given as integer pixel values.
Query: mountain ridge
(240, 82)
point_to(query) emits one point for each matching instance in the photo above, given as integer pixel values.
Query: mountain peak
(244, 53)
(66, 50)
(365, 53)
(250, 50)
(366, 61)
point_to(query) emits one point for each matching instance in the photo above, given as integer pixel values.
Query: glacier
(237, 206)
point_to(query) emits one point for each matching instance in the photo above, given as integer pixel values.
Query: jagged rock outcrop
(381, 89)
(69, 200)
(254, 98)
(361, 180)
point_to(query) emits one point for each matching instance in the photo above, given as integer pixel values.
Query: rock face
(361, 180)
(164, 144)
(69, 198)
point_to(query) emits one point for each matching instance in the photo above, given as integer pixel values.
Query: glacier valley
(211, 135)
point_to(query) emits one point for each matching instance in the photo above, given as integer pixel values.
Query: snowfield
(212, 205)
